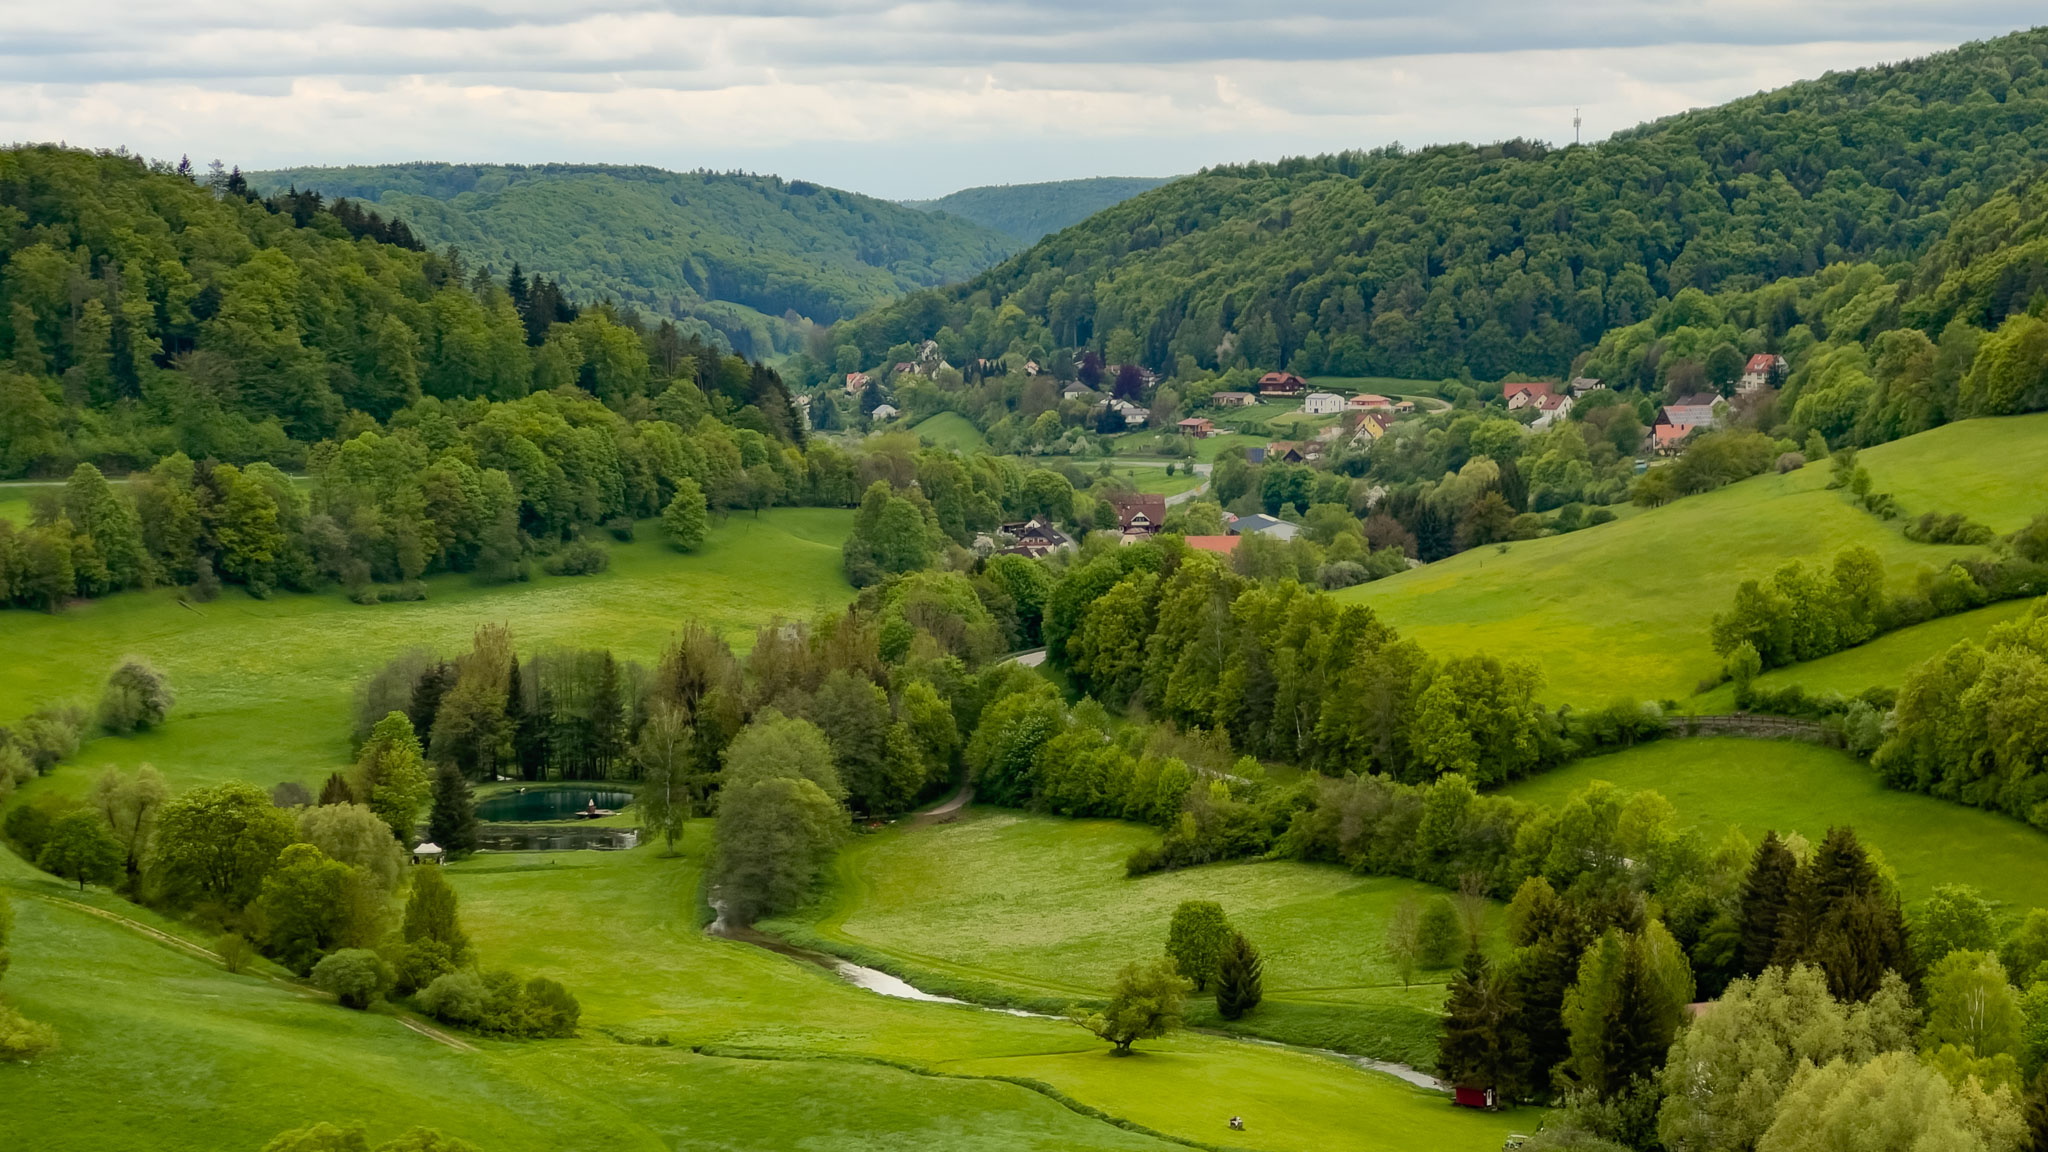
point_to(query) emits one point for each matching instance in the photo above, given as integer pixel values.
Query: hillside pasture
(952, 430)
(265, 686)
(1037, 909)
(1995, 471)
(1789, 786)
(1624, 608)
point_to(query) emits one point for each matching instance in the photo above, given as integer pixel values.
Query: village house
(1321, 404)
(1076, 388)
(1223, 545)
(1264, 525)
(1034, 538)
(1759, 372)
(1369, 402)
(1233, 399)
(886, 412)
(1371, 427)
(1138, 514)
(1668, 438)
(904, 368)
(1288, 452)
(1197, 427)
(1281, 384)
(1691, 411)
(1031, 368)
(1524, 394)
(1581, 385)
(1553, 408)
(856, 383)
(1133, 415)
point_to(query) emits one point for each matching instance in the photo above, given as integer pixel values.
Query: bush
(580, 558)
(357, 977)
(499, 1002)
(550, 1009)
(621, 528)
(423, 962)
(22, 1038)
(235, 951)
(137, 697)
(457, 998)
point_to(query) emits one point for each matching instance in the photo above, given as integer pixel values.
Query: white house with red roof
(1758, 373)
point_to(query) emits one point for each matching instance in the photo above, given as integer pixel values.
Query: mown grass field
(1795, 787)
(1994, 470)
(687, 1042)
(1152, 479)
(1882, 663)
(265, 686)
(952, 430)
(1624, 608)
(1037, 908)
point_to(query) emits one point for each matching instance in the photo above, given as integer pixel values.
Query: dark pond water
(519, 807)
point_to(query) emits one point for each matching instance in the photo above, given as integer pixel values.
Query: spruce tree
(1483, 1045)
(452, 825)
(434, 682)
(336, 790)
(1766, 897)
(1846, 920)
(1240, 978)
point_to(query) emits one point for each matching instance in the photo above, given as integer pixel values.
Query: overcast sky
(907, 99)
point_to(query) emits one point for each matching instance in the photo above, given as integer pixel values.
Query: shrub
(621, 528)
(423, 962)
(22, 1038)
(580, 558)
(235, 951)
(456, 998)
(550, 1009)
(137, 697)
(357, 977)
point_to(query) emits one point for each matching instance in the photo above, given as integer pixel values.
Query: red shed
(1466, 1096)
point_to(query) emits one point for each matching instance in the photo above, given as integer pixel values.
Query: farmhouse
(1286, 452)
(1369, 402)
(1138, 514)
(856, 383)
(1321, 404)
(1524, 394)
(1691, 411)
(1370, 428)
(1554, 408)
(1581, 385)
(1281, 384)
(1233, 399)
(1667, 438)
(1264, 526)
(1197, 427)
(886, 412)
(1076, 388)
(1759, 372)
(1034, 538)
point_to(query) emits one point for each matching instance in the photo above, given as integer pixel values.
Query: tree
(1954, 919)
(336, 790)
(853, 712)
(1846, 920)
(684, 520)
(305, 906)
(131, 805)
(391, 774)
(357, 977)
(1196, 939)
(775, 835)
(217, 844)
(1728, 1068)
(470, 729)
(80, 848)
(667, 796)
(137, 697)
(355, 836)
(1973, 1017)
(2026, 949)
(452, 821)
(1146, 1003)
(1437, 935)
(1482, 1044)
(1630, 998)
(1766, 898)
(1404, 939)
(1240, 978)
(1890, 1103)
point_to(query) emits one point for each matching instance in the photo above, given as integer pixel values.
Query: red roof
(1537, 388)
(1280, 381)
(1222, 544)
(1762, 362)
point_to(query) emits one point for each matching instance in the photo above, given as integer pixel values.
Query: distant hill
(1028, 211)
(1513, 256)
(746, 255)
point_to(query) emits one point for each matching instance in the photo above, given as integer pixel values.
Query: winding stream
(883, 984)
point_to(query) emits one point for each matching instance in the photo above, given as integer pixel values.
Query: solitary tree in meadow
(1196, 939)
(137, 697)
(1404, 939)
(80, 848)
(1147, 1002)
(684, 520)
(1240, 978)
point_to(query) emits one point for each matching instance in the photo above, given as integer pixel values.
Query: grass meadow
(1796, 787)
(952, 430)
(265, 686)
(1037, 910)
(1624, 608)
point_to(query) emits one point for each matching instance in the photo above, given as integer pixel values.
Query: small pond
(526, 805)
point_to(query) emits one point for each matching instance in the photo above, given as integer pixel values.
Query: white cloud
(904, 99)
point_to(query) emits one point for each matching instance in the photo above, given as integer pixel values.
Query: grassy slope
(1624, 608)
(1038, 908)
(265, 686)
(1995, 470)
(952, 430)
(166, 1051)
(1763, 784)
(1882, 663)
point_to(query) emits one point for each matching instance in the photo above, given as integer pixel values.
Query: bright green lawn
(622, 930)
(952, 430)
(1038, 908)
(265, 686)
(1624, 608)
(165, 1051)
(1995, 470)
(1153, 479)
(1882, 663)
(1796, 787)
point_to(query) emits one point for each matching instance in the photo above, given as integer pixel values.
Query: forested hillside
(743, 254)
(1511, 257)
(1029, 211)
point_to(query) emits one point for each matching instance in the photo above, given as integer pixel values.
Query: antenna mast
(1575, 125)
